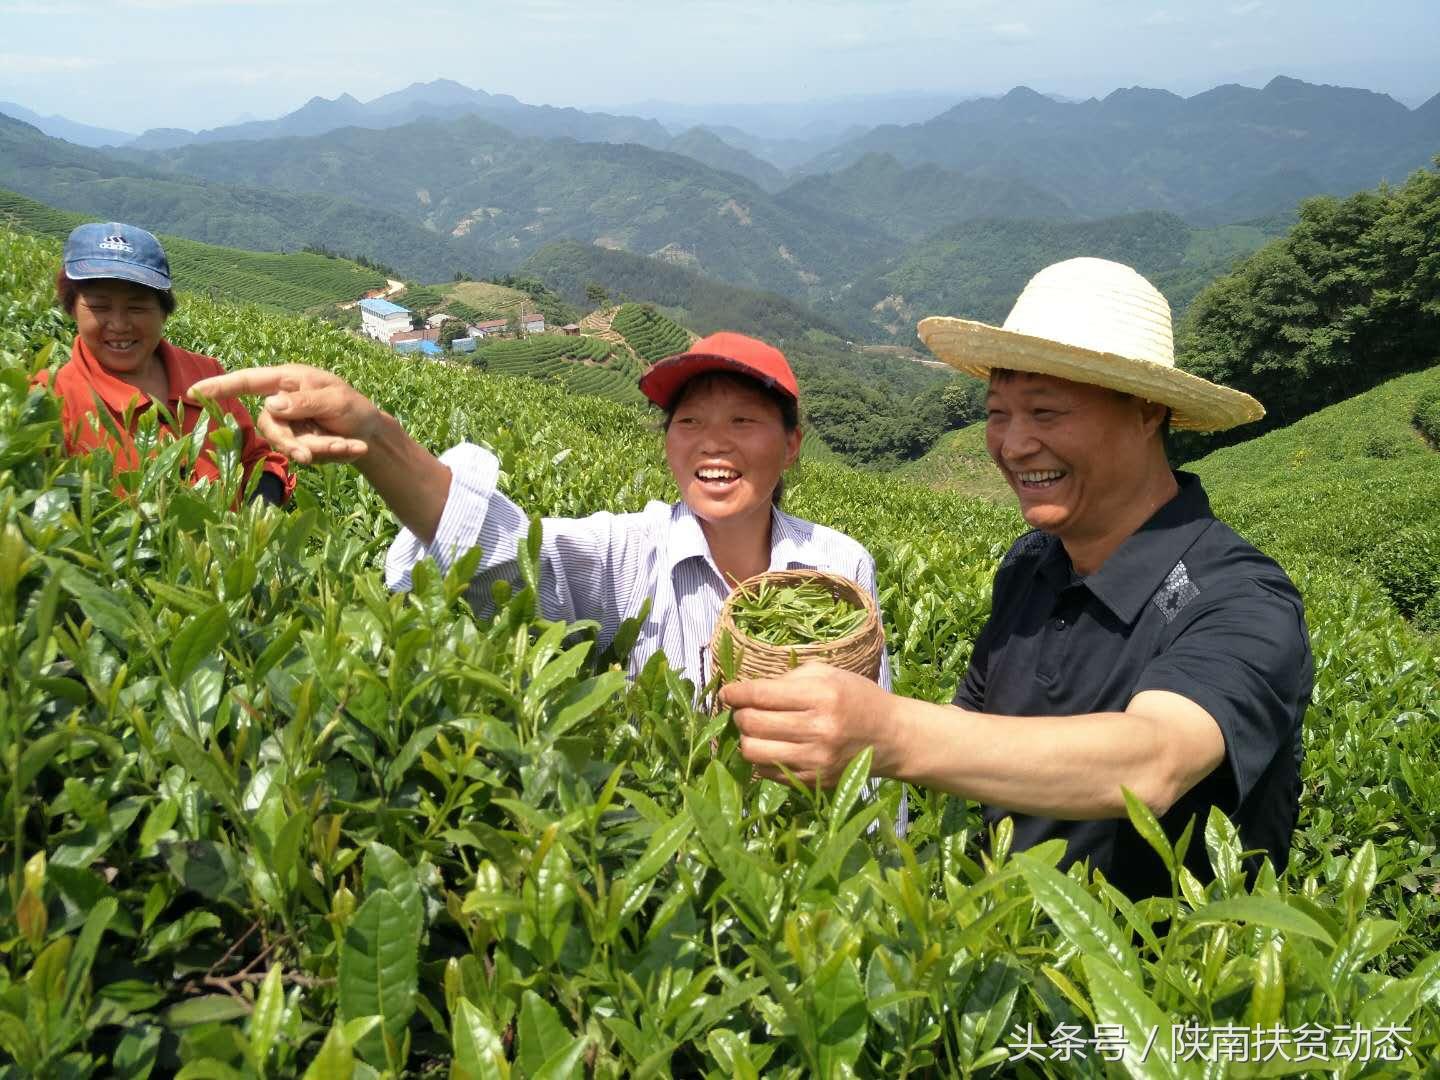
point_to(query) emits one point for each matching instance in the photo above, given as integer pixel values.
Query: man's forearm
(411, 480)
(1068, 767)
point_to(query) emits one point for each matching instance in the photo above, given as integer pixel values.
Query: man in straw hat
(1134, 642)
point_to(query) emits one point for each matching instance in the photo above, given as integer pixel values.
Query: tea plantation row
(262, 818)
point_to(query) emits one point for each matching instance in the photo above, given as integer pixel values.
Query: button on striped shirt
(605, 566)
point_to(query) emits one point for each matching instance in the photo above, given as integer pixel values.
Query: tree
(451, 329)
(512, 323)
(596, 295)
(1344, 302)
(963, 401)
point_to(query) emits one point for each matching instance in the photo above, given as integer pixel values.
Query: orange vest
(83, 379)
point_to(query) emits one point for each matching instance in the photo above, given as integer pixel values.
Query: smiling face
(120, 323)
(1081, 459)
(727, 445)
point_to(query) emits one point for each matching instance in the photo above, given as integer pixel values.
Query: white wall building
(382, 320)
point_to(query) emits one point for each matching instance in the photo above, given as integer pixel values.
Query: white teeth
(717, 474)
(1040, 476)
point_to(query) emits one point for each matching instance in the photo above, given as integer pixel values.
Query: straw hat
(1092, 321)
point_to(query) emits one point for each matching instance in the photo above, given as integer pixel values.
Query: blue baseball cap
(112, 250)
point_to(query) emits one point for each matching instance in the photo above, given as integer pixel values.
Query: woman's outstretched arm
(313, 416)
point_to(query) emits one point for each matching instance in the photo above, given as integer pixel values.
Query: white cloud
(92, 7)
(41, 7)
(1012, 32)
(23, 64)
(1162, 18)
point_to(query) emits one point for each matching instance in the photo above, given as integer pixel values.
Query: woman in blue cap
(115, 282)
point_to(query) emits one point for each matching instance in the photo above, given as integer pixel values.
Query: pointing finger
(234, 383)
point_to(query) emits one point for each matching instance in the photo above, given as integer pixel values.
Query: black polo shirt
(1183, 605)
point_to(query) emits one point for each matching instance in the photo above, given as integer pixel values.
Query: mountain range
(445, 99)
(501, 197)
(89, 181)
(946, 215)
(62, 128)
(1200, 156)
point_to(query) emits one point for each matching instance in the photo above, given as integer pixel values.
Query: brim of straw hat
(1196, 404)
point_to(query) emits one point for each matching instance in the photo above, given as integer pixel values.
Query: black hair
(788, 406)
(68, 289)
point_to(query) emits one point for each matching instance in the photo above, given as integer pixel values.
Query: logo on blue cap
(114, 242)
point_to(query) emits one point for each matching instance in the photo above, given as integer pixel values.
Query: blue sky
(134, 64)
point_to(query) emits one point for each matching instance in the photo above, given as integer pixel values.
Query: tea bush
(261, 818)
(1408, 565)
(650, 334)
(1427, 417)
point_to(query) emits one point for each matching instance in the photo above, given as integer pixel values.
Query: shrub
(1428, 618)
(1384, 445)
(1427, 416)
(1408, 566)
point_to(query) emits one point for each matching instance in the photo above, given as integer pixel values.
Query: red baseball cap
(722, 351)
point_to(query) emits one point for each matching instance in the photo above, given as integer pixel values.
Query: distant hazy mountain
(785, 154)
(800, 120)
(440, 99)
(911, 204)
(444, 99)
(709, 149)
(1195, 156)
(503, 197)
(69, 130)
(90, 181)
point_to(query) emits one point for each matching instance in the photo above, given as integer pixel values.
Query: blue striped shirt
(603, 567)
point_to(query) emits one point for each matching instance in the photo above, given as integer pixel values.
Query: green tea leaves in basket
(799, 614)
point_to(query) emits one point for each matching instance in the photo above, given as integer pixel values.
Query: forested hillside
(1349, 298)
(976, 269)
(574, 270)
(912, 204)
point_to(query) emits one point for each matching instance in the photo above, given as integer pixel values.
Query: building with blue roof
(382, 320)
(383, 308)
(421, 346)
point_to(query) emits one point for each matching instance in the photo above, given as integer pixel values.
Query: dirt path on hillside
(599, 324)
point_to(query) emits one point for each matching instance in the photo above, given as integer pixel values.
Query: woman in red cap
(115, 281)
(731, 407)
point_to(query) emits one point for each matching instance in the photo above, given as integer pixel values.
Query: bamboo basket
(859, 651)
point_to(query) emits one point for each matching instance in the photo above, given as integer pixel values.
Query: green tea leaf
(1261, 911)
(335, 1060)
(1119, 1001)
(199, 638)
(478, 1053)
(841, 1019)
(541, 1034)
(265, 1020)
(1077, 914)
(379, 971)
